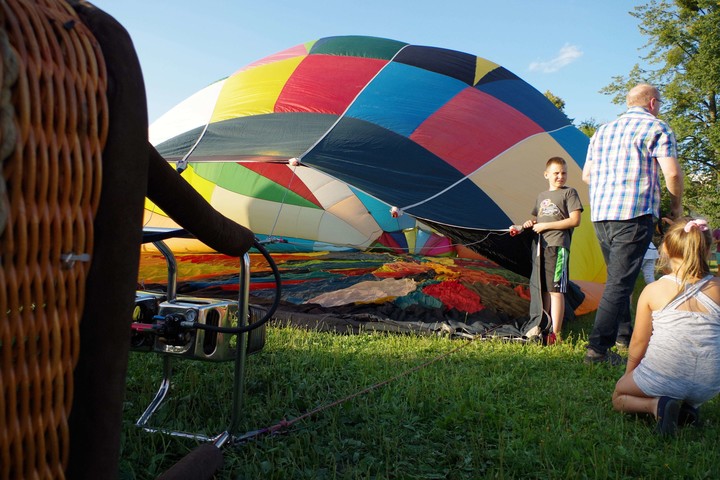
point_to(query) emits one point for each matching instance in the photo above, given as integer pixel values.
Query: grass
(489, 409)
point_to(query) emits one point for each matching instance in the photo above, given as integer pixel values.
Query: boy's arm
(567, 223)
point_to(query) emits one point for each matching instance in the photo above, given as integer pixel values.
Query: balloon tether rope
(286, 424)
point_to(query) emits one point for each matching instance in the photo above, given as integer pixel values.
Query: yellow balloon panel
(482, 68)
(254, 91)
(586, 259)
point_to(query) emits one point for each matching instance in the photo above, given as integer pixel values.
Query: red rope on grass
(286, 424)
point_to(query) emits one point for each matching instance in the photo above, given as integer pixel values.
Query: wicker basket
(54, 124)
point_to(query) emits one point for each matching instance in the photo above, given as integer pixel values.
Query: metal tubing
(243, 312)
(240, 358)
(172, 269)
(174, 433)
(160, 395)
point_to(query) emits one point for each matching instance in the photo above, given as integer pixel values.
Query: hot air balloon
(347, 140)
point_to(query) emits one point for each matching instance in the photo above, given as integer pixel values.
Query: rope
(286, 424)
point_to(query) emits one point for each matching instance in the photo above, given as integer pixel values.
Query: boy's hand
(540, 227)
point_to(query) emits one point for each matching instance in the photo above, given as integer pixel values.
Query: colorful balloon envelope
(341, 140)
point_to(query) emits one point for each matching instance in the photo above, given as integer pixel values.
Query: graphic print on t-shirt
(548, 209)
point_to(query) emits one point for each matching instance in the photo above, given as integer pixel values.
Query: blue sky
(571, 47)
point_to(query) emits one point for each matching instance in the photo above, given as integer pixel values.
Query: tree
(683, 61)
(557, 101)
(589, 126)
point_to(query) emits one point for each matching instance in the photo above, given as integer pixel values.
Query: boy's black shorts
(555, 266)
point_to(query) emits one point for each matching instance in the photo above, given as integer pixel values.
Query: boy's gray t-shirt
(554, 205)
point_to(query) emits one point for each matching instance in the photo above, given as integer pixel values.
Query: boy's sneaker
(668, 410)
(551, 339)
(689, 415)
(609, 357)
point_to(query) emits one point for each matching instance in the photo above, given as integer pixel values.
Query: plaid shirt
(624, 179)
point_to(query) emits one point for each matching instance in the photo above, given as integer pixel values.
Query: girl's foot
(668, 410)
(689, 415)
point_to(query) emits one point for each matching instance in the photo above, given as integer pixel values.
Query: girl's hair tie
(700, 224)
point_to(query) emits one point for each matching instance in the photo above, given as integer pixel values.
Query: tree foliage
(557, 101)
(683, 61)
(589, 126)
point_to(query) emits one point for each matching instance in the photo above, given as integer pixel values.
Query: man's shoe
(624, 335)
(668, 410)
(622, 342)
(609, 357)
(689, 415)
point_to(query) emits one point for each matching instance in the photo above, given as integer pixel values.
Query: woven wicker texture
(52, 172)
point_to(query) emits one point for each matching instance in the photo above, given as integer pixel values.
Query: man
(622, 170)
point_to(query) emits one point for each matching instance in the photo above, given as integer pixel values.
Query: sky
(572, 48)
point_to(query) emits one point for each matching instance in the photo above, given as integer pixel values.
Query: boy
(556, 212)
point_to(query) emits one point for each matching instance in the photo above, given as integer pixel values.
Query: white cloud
(567, 55)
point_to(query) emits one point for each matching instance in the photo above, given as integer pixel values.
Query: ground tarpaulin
(350, 292)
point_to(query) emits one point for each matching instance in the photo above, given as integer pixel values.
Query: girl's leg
(628, 398)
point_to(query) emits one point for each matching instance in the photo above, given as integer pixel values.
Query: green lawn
(490, 409)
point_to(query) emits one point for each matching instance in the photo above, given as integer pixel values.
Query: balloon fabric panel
(192, 113)
(382, 163)
(283, 176)
(326, 84)
(436, 245)
(381, 212)
(294, 221)
(401, 97)
(472, 129)
(510, 89)
(422, 238)
(357, 46)
(454, 208)
(586, 258)
(296, 51)
(236, 178)
(276, 137)
(175, 148)
(329, 191)
(401, 173)
(574, 142)
(450, 63)
(411, 237)
(394, 240)
(482, 68)
(351, 212)
(515, 177)
(253, 91)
